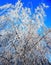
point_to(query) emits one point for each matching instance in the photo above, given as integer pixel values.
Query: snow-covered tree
(24, 37)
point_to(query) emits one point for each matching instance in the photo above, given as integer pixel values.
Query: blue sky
(33, 4)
